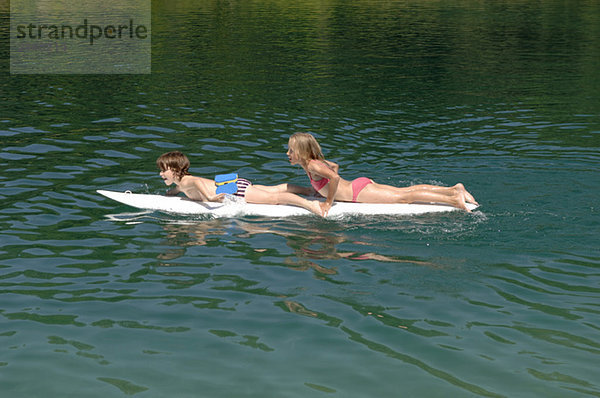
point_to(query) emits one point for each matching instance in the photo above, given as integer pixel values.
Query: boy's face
(168, 176)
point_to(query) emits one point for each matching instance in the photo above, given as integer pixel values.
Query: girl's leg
(378, 193)
(255, 194)
(297, 189)
(450, 191)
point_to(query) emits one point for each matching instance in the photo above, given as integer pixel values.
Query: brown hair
(176, 161)
(306, 146)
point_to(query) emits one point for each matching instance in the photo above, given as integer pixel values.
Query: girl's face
(168, 176)
(292, 154)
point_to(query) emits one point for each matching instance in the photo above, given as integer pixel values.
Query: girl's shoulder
(322, 167)
(319, 161)
(316, 163)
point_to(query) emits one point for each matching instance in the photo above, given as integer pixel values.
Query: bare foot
(467, 196)
(461, 204)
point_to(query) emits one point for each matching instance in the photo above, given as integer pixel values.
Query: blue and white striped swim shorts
(242, 184)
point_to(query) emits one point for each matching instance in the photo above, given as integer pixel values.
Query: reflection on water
(307, 243)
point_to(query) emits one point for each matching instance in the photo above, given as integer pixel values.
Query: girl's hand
(325, 208)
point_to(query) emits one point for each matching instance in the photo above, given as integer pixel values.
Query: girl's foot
(467, 196)
(462, 202)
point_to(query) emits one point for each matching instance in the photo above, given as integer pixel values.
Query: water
(100, 300)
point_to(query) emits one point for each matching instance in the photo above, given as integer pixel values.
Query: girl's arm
(320, 169)
(333, 165)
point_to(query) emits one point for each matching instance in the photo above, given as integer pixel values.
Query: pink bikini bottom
(358, 185)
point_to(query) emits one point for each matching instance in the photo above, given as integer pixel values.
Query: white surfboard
(233, 207)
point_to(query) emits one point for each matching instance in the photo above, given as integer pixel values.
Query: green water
(99, 299)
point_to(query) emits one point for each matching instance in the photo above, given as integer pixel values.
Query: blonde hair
(306, 146)
(176, 161)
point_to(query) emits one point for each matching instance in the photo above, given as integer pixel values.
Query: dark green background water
(502, 96)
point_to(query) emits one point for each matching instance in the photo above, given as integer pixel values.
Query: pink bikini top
(318, 184)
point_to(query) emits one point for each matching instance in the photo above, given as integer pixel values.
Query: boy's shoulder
(193, 179)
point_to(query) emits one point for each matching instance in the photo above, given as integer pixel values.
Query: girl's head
(304, 147)
(175, 161)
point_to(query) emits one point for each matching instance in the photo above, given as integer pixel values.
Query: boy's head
(176, 161)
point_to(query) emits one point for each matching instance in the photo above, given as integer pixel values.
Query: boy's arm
(173, 191)
(210, 196)
(217, 198)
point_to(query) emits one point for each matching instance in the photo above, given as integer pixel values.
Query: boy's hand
(172, 192)
(217, 198)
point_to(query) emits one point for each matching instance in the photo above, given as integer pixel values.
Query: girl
(174, 170)
(304, 150)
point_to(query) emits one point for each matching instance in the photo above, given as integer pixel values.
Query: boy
(174, 168)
